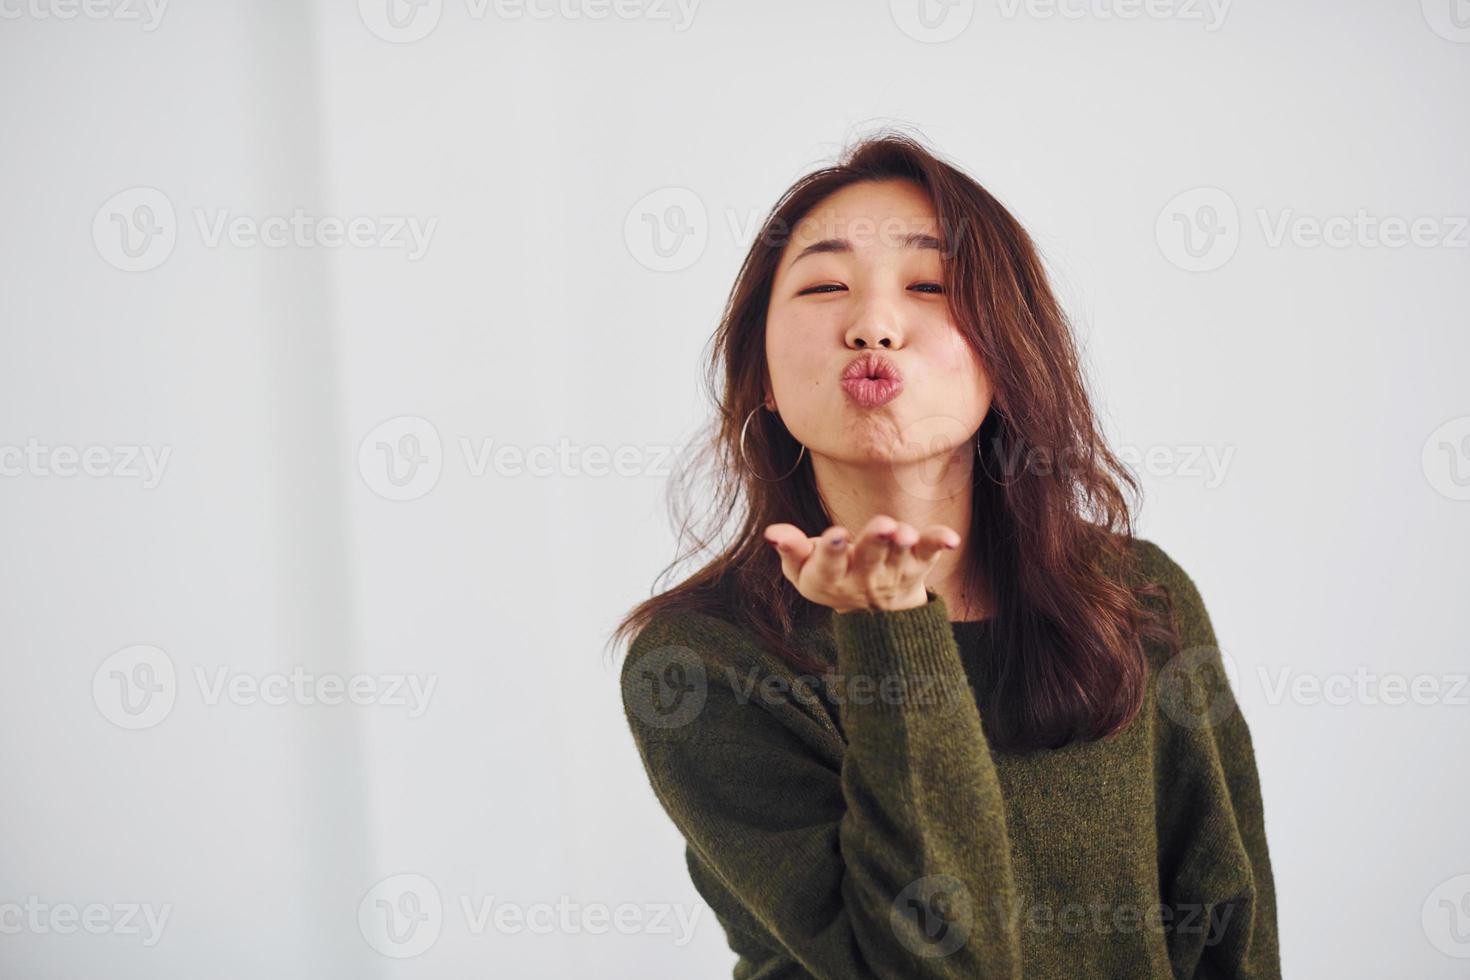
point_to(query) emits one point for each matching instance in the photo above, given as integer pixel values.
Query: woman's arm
(1249, 947)
(894, 863)
(1213, 842)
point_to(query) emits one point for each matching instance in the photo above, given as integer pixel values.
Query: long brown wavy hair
(1054, 541)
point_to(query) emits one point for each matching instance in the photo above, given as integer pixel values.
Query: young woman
(934, 711)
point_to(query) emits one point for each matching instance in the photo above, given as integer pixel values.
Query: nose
(875, 325)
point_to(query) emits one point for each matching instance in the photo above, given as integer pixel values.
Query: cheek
(958, 359)
(968, 382)
(794, 351)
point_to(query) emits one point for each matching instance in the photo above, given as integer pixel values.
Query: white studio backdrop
(324, 326)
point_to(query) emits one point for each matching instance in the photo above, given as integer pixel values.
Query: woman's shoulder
(695, 672)
(689, 636)
(1193, 644)
(1155, 566)
(708, 645)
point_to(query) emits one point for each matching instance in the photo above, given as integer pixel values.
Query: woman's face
(851, 281)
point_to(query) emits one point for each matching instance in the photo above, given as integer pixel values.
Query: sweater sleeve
(1225, 864)
(890, 862)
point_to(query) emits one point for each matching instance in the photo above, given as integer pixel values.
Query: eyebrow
(915, 240)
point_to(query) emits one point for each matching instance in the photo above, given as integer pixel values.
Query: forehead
(868, 214)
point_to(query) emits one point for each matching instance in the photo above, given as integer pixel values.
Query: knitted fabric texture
(860, 824)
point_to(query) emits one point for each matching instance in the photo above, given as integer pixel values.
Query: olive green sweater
(860, 825)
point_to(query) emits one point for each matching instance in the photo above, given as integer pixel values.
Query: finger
(830, 556)
(901, 543)
(871, 550)
(934, 539)
(789, 539)
(792, 547)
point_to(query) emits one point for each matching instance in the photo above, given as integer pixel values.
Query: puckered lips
(871, 379)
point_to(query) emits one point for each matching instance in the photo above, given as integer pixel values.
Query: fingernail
(838, 542)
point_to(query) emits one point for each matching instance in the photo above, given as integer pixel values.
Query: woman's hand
(884, 568)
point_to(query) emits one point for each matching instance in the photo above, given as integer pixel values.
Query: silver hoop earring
(745, 458)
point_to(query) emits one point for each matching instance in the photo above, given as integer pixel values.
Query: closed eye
(932, 288)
